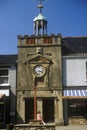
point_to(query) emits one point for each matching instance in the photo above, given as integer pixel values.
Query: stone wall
(77, 121)
(33, 127)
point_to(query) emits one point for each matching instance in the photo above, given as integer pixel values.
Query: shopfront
(2, 110)
(75, 110)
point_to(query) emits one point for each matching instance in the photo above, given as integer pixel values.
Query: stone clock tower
(39, 74)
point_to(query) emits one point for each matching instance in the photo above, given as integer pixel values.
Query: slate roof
(8, 59)
(74, 46)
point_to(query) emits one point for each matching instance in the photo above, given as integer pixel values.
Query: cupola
(40, 22)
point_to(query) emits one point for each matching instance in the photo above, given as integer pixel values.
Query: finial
(40, 6)
(40, 1)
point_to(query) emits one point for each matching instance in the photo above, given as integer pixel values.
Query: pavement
(72, 127)
(69, 127)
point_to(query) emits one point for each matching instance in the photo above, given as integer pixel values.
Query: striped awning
(75, 93)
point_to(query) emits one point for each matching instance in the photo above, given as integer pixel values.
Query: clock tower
(39, 74)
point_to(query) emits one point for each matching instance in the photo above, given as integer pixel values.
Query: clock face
(39, 71)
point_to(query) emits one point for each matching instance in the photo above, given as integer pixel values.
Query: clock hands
(39, 70)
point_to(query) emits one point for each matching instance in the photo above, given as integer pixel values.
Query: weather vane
(40, 6)
(40, 1)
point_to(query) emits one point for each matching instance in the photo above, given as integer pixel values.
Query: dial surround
(39, 71)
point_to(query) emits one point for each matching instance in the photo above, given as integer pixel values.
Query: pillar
(65, 111)
(39, 106)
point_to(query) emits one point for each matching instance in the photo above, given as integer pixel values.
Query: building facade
(74, 61)
(51, 76)
(38, 67)
(7, 89)
(39, 74)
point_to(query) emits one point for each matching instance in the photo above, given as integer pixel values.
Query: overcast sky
(68, 17)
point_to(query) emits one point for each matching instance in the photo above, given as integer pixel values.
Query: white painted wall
(74, 71)
(11, 89)
(12, 78)
(12, 82)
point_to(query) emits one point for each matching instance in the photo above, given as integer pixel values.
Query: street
(74, 127)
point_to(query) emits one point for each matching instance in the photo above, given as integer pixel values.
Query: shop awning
(75, 93)
(1, 96)
(5, 92)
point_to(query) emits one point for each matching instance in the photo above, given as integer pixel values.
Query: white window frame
(5, 84)
(86, 71)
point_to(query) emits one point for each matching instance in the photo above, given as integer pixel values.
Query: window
(4, 76)
(47, 40)
(30, 41)
(2, 112)
(86, 70)
(78, 107)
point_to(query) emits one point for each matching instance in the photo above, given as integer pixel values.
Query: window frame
(86, 70)
(77, 107)
(5, 76)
